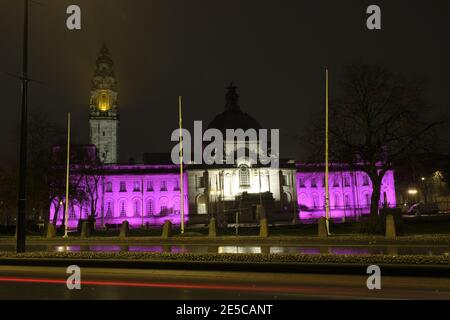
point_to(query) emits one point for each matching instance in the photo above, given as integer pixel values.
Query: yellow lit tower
(104, 117)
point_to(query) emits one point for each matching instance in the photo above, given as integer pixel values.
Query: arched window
(302, 198)
(122, 208)
(315, 200)
(201, 204)
(137, 208)
(176, 205)
(286, 201)
(337, 200)
(347, 201)
(109, 208)
(367, 199)
(150, 207)
(244, 177)
(164, 205)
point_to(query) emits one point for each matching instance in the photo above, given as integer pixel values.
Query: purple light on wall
(139, 194)
(350, 193)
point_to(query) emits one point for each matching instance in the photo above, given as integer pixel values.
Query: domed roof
(233, 117)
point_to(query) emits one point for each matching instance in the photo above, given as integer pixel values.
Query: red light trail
(251, 288)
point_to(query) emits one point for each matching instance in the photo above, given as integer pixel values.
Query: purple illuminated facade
(350, 191)
(139, 194)
(149, 193)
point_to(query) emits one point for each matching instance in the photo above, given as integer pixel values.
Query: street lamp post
(180, 106)
(21, 213)
(327, 189)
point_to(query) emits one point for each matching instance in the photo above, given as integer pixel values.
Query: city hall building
(149, 193)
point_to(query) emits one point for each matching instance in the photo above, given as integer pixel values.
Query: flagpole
(21, 228)
(327, 189)
(180, 106)
(67, 178)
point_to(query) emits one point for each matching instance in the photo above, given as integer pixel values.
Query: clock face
(104, 102)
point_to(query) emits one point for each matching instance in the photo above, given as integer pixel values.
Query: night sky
(275, 52)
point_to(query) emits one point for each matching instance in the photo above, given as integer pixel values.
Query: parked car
(420, 208)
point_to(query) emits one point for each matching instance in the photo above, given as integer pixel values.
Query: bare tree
(92, 173)
(377, 118)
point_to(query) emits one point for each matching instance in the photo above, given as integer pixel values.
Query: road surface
(50, 283)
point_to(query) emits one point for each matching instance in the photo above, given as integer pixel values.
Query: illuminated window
(367, 197)
(123, 211)
(150, 207)
(336, 181)
(136, 208)
(244, 177)
(315, 199)
(201, 204)
(109, 209)
(200, 182)
(301, 183)
(176, 205)
(137, 186)
(365, 180)
(103, 102)
(285, 180)
(164, 204)
(337, 200)
(347, 201)
(346, 181)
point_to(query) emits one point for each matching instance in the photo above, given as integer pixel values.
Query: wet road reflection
(309, 250)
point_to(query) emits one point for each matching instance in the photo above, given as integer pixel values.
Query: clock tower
(103, 115)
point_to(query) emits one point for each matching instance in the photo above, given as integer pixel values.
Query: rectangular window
(123, 186)
(201, 208)
(365, 180)
(72, 215)
(109, 212)
(285, 180)
(108, 187)
(150, 186)
(137, 186)
(346, 181)
(200, 182)
(313, 183)
(336, 181)
(301, 183)
(177, 186)
(163, 186)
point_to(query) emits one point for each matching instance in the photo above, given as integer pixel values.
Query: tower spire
(104, 115)
(232, 98)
